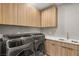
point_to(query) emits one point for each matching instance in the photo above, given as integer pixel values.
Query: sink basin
(61, 39)
(74, 41)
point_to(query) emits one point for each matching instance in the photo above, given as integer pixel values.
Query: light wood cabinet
(28, 15)
(65, 51)
(19, 14)
(51, 48)
(1, 14)
(68, 49)
(49, 17)
(33, 16)
(14, 14)
(6, 13)
(9, 14)
(47, 48)
(77, 52)
(56, 48)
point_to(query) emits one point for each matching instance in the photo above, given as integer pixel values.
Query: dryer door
(25, 52)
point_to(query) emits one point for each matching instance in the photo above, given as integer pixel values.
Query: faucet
(67, 36)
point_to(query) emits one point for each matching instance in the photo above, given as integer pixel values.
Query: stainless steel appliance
(26, 44)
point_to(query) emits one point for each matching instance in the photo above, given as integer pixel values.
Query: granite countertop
(63, 39)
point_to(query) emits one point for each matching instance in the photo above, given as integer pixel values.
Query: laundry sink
(74, 41)
(62, 39)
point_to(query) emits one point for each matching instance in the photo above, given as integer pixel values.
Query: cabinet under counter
(59, 48)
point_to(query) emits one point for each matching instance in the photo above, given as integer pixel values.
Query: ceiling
(41, 6)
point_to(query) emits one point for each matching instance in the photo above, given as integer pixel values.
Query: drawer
(53, 42)
(69, 46)
(63, 44)
(50, 41)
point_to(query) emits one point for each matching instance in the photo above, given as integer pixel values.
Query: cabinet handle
(53, 44)
(67, 48)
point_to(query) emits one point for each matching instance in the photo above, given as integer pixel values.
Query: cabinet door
(13, 13)
(21, 12)
(36, 17)
(72, 52)
(47, 48)
(51, 48)
(63, 51)
(28, 15)
(44, 18)
(48, 17)
(6, 13)
(33, 16)
(68, 50)
(77, 52)
(1, 14)
(9, 14)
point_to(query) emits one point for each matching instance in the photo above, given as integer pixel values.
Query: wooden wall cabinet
(26, 15)
(19, 14)
(49, 17)
(33, 16)
(9, 14)
(14, 14)
(6, 13)
(56, 48)
(1, 22)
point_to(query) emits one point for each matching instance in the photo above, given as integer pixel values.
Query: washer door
(25, 52)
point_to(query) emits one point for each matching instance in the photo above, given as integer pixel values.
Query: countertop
(65, 39)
